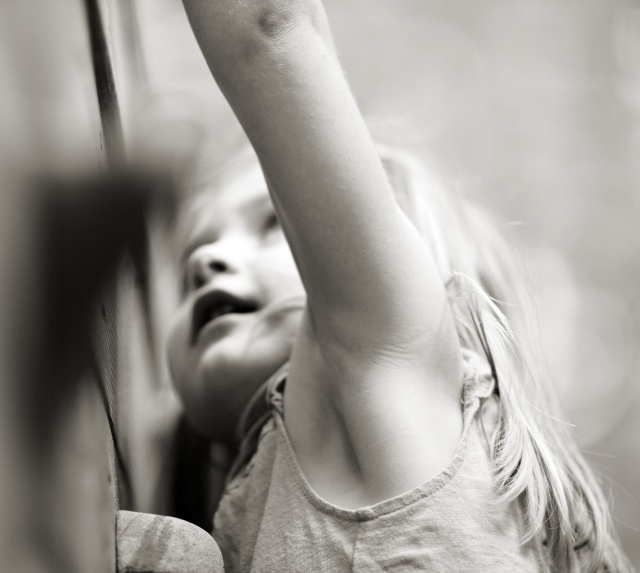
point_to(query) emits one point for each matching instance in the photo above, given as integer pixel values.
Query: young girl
(382, 440)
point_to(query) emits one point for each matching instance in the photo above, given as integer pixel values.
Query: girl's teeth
(222, 310)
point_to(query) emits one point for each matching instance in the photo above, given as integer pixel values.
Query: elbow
(270, 28)
(228, 30)
(275, 19)
(240, 40)
(276, 26)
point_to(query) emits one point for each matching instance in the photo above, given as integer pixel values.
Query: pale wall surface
(57, 496)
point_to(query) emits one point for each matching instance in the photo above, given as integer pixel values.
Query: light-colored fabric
(270, 520)
(147, 543)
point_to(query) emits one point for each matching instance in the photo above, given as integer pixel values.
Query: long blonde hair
(533, 455)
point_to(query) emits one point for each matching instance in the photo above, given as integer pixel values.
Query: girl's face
(231, 330)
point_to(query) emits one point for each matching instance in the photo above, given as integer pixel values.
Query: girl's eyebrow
(259, 202)
(255, 204)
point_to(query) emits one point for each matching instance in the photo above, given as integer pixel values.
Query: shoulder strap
(256, 414)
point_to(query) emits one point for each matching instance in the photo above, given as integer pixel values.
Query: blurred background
(530, 107)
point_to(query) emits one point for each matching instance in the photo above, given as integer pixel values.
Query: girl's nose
(208, 261)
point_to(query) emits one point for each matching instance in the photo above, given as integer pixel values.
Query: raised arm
(275, 63)
(375, 297)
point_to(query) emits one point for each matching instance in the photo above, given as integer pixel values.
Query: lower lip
(217, 328)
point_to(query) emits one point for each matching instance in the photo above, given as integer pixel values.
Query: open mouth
(213, 305)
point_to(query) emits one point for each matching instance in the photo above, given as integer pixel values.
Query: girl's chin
(236, 352)
(229, 374)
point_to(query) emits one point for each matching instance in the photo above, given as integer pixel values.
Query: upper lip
(215, 303)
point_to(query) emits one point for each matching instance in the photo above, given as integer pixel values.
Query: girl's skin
(372, 403)
(236, 247)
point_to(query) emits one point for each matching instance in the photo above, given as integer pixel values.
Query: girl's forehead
(240, 188)
(237, 195)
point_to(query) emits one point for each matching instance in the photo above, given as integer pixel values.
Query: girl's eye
(271, 223)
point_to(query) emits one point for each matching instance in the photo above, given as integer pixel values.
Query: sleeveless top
(271, 520)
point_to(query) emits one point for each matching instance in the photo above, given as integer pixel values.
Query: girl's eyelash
(271, 222)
